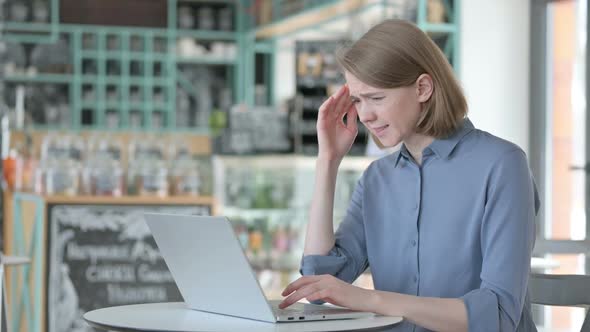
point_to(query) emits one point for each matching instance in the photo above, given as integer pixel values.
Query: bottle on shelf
(225, 19)
(18, 11)
(103, 174)
(26, 164)
(205, 18)
(186, 19)
(9, 169)
(148, 174)
(61, 177)
(107, 178)
(153, 179)
(60, 168)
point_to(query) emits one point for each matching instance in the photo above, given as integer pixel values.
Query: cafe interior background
(111, 108)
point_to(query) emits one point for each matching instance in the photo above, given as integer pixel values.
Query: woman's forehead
(357, 86)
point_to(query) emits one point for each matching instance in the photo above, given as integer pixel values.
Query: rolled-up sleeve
(348, 258)
(507, 239)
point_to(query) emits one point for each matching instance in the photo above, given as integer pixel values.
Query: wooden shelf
(129, 200)
(309, 18)
(111, 200)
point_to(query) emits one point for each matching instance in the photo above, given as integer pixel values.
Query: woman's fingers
(301, 294)
(323, 294)
(337, 105)
(342, 99)
(295, 285)
(326, 103)
(351, 118)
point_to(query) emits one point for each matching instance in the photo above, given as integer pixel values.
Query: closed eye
(377, 98)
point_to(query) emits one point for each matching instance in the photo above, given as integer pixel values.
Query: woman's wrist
(384, 303)
(324, 160)
(374, 301)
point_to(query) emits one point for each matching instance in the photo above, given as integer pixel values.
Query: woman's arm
(334, 140)
(320, 230)
(440, 314)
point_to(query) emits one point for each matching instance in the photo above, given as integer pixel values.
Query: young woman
(445, 224)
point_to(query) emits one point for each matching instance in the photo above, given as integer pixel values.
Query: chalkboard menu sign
(103, 256)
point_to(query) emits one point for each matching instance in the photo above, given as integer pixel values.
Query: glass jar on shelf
(25, 174)
(178, 149)
(104, 145)
(147, 147)
(204, 165)
(61, 177)
(75, 148)
(108, 179)
(205, 18)
(103, 177)
(52, 147)
(70, 147)
(24, 167)
(39, 179)
(152, 179)
(185, 178)
(133, 171)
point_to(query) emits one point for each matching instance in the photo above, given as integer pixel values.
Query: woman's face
(390, 114)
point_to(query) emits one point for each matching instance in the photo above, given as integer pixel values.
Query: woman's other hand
(335, 137)
(328, 289)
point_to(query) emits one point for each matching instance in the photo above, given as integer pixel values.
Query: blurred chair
(561, 290)
(3, 321)
(7, 261)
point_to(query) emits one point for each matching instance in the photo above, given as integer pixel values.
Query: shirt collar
(403, 151)
(442, 147)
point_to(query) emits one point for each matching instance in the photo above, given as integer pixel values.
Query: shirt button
(415, 279)
(413, 243)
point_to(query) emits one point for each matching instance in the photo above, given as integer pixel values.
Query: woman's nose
(365, 113)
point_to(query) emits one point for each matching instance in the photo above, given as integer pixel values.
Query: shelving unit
(128, 73)
(250, 42)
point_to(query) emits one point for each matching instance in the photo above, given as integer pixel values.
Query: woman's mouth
(379, 131)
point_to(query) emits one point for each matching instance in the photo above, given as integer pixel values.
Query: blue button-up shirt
(461, 225)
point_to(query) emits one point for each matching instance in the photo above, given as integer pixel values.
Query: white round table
(176, 317)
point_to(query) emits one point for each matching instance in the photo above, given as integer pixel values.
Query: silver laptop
(213, 274)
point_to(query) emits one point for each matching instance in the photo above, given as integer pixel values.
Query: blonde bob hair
(394, 54)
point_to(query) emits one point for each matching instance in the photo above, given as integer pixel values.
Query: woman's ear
(424, 88)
